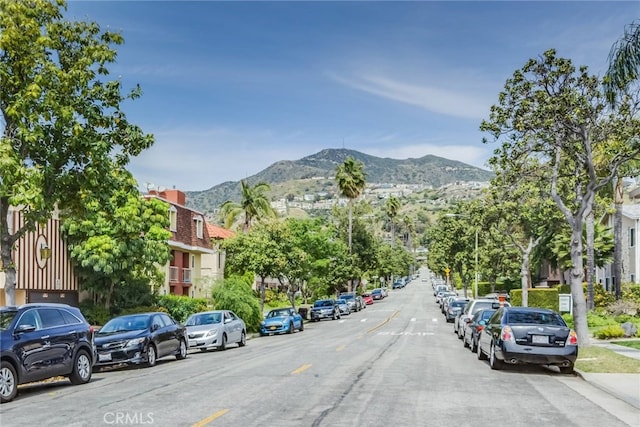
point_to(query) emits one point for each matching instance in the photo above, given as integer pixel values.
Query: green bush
(568, 317)
(631, 292)
(144, 309)
(596, 320)
(537, 297)
(95, 314)
(611, 331)
(235, 294)
(180, 307)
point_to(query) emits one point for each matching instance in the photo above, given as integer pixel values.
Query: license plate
(539, 339)
(104, 357)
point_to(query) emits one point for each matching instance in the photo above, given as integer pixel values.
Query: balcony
(186, 275)
(173, 274)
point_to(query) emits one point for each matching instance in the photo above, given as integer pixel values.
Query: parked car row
(506, 335)
(41, 341)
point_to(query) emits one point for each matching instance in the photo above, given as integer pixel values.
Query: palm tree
(351, 181)
(254, 206)
(624, 68)
(392, 207)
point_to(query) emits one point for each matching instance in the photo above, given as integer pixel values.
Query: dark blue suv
(40, 341)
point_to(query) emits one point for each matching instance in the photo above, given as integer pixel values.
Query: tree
(119, 239)
(254, 206)
(555, 113)
(351, 181)
(392, 208)
(63, 125)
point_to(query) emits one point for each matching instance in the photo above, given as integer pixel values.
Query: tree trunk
(577, 292)
(262, 295)
(590, 259)
(350, 223)
(6, 254)
(617, 238)
(524, 279)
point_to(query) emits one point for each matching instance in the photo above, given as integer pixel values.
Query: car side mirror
(21, 329)
(467, 320)
(227, 320)
(155, 327)
(482, 322)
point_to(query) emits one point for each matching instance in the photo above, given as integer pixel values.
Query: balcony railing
(186, 275)
(173, 274)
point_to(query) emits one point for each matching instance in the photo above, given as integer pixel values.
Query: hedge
(537, 297)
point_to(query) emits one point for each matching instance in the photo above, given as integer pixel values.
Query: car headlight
(262, 324)
(135, 342)
(211, 333)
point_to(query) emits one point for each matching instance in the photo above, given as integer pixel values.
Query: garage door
(66, 297)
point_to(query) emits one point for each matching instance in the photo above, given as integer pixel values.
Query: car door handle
(45, 337)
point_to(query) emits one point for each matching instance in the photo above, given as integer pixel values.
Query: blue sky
(231, 87)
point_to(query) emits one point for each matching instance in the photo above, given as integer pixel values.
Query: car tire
(465, 344)
(243, 339)
(301, 326)
(566, 369)
(81, 373)
(223, 343)
(481, 355)
(290, 331)
(474, 346)
(8, 382)
(182, 351)
(152, 356)
(494, 362)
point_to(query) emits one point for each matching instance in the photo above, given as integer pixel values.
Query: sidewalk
(625, 387)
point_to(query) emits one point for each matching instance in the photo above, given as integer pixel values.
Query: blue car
(280, 321)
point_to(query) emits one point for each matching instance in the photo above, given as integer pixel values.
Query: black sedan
(528, 335)
(140, 339)
(474, 327)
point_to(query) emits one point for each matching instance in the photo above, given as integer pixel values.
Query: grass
(633, 344)
(600, 360)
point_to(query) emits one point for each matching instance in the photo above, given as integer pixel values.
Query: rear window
(457, 303)
(534, 318)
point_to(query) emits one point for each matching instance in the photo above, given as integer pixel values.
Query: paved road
(396, 363)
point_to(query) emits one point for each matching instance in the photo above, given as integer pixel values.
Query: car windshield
(458, 303)
(534, 318)
(342, 301)
(278, 313)
(204, 319)
(346, 297)
(125, 324)
(325, 303)
(6, 316)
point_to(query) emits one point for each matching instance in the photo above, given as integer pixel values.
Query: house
(196, 259)
(630, 250)
(44, 271)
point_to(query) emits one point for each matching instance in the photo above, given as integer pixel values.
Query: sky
(229, 88)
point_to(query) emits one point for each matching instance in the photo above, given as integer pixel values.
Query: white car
(215, 330)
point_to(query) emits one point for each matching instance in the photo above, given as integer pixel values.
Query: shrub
(545, 298)
(595, 320)
(236, 295)
(611, 331)
(180, 307)
(568, 317)
(94, 313)
(631, 292)
(619, 307)
(144, 309)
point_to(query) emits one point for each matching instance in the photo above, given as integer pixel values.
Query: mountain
(297, 176)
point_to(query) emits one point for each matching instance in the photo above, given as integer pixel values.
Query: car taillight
(573, 338)
(507, 334)
(480, 327)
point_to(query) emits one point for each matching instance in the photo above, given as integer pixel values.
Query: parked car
(41, 341)
(460, 322)
(475, 326)
(360, 302)
(280, 321)
(325, 309)
(398, 284)
(343, 306)
(140, 339)
(528, 335)
(368, 299)
(377, 294)
(215, 330)
(454, 308)
(442, 296)
(351, 299)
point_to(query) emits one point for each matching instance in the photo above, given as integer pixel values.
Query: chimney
(175, 196)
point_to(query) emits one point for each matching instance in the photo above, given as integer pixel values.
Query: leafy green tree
(235, 294)
(392, 208)
(118, 239)
(63, 124)
(557, 114)
(624, 62)
(253, 207)
(351, 182)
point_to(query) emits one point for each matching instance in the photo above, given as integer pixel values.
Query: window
(29, 318)
(199, 226)
(69, 318)
(173, 218)
(632, 237)
(51, 318)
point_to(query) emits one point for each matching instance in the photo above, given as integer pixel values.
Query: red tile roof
(216, 232)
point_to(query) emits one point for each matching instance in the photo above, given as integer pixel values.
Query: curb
(612, 392)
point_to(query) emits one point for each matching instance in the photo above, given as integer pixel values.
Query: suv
(461, 321)
(352, 300)
(40, 341)
(325, 309)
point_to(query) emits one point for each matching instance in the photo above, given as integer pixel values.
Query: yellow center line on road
(301, 369)
(384, 322)
(210, 418)
(341, 347)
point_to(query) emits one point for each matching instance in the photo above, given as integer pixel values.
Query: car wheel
(81, 372)
(334, 316)
(223, 343)
(494, 362)
(290, 331)
(301, 326)
(151, 355)
(204, 350)
(243, 339)
(566, 369)
(481, 355)
(182, 351)
(465, 344)
(8, 382)
(474, 346)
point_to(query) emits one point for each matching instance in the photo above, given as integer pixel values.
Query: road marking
(408, 334)
(385, 321)
(434, 320)
(413, 319)
(341, 347)
(301, 369)
(210, 418)
(363, 320)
